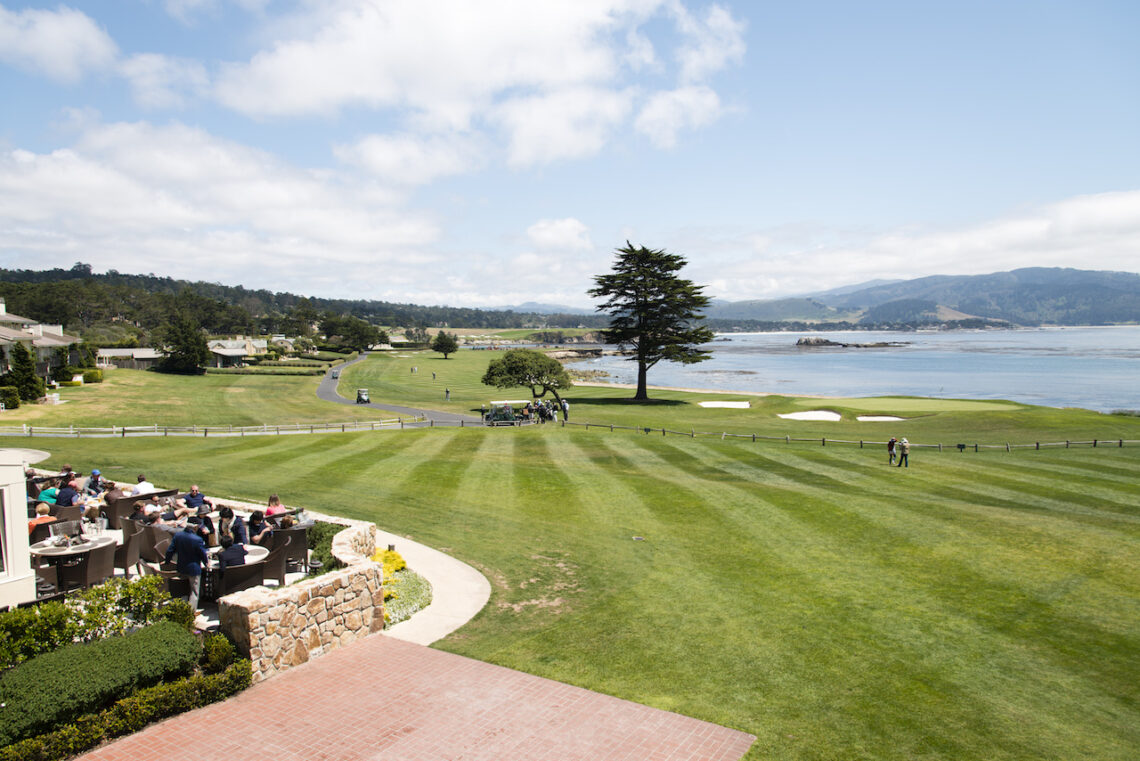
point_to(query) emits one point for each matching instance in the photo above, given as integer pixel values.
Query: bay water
(1096, 368)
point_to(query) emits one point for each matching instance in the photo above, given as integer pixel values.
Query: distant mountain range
(1030, 296)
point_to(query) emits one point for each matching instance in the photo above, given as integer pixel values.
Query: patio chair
(238, 577)
(148, 544)
(275, 561)
(175, 585)
(68, 513)
(127, 553)
(118, 511)
(298, 552)
(94, 567)
(41, 532)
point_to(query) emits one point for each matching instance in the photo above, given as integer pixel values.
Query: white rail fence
(206, 431)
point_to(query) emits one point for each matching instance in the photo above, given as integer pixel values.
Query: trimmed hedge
(292, 363)
(42, 694)
(320, 536)
(92, 376)
(132, 714)
(28, 632)
(260, 371)
(10, 396)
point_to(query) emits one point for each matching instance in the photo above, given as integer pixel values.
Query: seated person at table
(48, 494)
(31, 483)
(232, 526)
(286, 521)
(231, 554)
(68, 495)
(43, 511)
(95, 484)
(196, 500)
(275, 506)
(154, 518)
(92, 514)
(143, 486)
(260, 532)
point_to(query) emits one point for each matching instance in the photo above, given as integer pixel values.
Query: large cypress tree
(652, 310)
(187, 348)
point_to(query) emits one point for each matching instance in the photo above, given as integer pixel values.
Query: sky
(498, 152)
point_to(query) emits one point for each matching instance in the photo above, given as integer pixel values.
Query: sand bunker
(878, 419)
(733, 405)
(813, 415)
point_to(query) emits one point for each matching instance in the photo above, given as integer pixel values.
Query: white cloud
(411, 159)
(180, 201)
(551, 81)
(712, 42)
(1099, 231)
(563, 125)
(63, 44)
(667, 113)
(567, 234)
(160, 81)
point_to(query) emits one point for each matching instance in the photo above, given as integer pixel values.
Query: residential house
(41, 340)
(232, 352)
(130, 359)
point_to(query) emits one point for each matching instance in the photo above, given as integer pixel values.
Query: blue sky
(482, 154)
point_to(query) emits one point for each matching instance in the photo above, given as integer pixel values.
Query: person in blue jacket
(190, 549)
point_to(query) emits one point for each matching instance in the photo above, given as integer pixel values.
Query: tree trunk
(642, 394)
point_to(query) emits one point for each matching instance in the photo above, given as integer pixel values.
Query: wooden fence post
(1094, 443)
(1007, 446)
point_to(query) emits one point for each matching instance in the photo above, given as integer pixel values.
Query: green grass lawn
(973, 606)
(949, 421)
(136, 397)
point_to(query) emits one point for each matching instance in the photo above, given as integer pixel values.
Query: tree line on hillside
(256, 311)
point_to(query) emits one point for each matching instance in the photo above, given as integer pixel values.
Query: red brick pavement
(382, 698)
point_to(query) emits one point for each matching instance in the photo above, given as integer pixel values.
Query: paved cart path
(382, 698)
(328, 392)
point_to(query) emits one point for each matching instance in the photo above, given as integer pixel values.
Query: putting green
(888, 405)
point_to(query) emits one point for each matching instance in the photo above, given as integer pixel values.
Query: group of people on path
(899, 449)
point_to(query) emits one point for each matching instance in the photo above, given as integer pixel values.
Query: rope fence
(861, 443)
(206, 431)
(419, 421)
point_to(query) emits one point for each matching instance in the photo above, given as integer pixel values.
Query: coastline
(603, 384)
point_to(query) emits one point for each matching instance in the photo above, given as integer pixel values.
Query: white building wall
(17, 580)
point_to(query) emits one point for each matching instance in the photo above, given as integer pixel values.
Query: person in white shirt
(143, 486)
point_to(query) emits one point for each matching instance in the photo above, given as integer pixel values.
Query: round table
(47, 550)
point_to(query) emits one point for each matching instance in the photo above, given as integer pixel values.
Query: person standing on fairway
(904, 453)
(891, 450)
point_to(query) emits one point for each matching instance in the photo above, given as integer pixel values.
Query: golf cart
(507, 412)
(362, 396)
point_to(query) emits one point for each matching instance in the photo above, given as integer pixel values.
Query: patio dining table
(46, 549)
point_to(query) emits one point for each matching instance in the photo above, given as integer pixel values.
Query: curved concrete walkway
(328, 392)
(458, 591)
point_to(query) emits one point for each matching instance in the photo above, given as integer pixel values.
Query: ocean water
(1096, 367)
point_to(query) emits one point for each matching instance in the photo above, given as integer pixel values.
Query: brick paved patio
(382, 698)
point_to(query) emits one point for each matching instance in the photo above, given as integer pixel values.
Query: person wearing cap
(95, 484)
(904, 453)
(190, 549)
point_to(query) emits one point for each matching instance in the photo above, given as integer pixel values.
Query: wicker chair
(275, 561)
(68, 513)
(127, 553)
(41, 532)
(298, 552)
(238, 577)
(94, 567)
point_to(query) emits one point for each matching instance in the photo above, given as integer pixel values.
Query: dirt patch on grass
(555, 580)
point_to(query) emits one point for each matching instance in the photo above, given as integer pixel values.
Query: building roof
(224, 352)
(139, 353)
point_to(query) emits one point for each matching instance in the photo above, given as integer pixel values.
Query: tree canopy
(23, 374)
(530, 368)
(187, 348)
(652, 310)
(445, 344)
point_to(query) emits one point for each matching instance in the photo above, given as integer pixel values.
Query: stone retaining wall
(283, 627)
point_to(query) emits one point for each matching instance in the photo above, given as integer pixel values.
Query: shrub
(217, 654)
(45, 692)
(92, 376)
(28, 632)
(132, 714)
(392, 561)
(10, 396)
(405, 593)
(264, 371)
(69, 383)
(177, 611)
(320, 536)
(110, 608)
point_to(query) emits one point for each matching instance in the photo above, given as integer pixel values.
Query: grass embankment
(973, 606)
(389, 379)
(136, 397)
